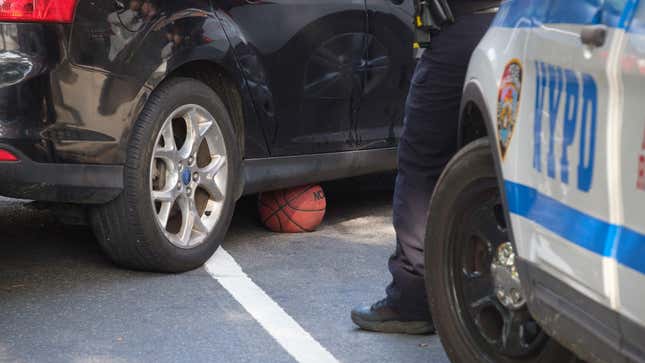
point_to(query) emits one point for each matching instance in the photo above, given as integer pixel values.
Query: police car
(537, 232)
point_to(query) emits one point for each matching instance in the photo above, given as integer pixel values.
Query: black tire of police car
(466, 225)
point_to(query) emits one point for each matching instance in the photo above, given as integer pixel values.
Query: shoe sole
(395, 327)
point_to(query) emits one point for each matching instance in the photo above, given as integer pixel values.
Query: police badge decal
(508, 102)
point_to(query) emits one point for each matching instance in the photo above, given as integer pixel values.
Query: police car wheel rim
(188, 176)
(493, 326)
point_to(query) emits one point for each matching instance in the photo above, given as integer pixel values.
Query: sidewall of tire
(471, 164)
(155, 251)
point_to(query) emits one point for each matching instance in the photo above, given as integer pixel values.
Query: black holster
(430, 17)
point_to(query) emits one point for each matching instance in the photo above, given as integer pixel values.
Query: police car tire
(126, 227)
(472, 163)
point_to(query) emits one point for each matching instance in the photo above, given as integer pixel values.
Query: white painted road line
(282, 327)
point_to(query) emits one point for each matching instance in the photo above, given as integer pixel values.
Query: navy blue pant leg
(428, 142)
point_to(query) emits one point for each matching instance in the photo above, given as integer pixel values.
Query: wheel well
(217, 78)
(473, 125)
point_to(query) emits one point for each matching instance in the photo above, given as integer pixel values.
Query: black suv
(159, 114)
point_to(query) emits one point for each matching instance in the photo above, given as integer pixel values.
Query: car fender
(211, 58)
(102, 85)
(474, 96)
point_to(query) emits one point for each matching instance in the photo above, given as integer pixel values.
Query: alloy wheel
(188, 176)
(487, 288)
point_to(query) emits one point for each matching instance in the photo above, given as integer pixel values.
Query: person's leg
(428, 142)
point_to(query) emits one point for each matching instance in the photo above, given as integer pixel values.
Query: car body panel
(568, 85)
(330, 76)
(127, 57)
(390, 63)
(570, 161)
(89, 91)
(28, 52)
(294, 74)
(630, 250)
(301, 60)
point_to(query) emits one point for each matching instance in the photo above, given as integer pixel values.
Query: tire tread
(118, 225)
(473, 162)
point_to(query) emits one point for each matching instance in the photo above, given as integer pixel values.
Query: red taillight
(45, 11)
(6, 155)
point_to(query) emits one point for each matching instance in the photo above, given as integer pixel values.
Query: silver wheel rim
(188, 176)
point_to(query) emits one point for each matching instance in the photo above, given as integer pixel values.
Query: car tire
(184, 132)
(473, 327)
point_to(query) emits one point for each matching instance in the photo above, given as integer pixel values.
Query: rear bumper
(67, 183)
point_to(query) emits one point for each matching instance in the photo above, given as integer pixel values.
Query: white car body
(570, 136)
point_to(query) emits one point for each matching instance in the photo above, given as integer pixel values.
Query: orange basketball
(294, 210)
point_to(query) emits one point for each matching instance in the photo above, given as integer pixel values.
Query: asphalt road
(61, 300)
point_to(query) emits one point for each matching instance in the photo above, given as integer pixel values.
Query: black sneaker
(383, 318)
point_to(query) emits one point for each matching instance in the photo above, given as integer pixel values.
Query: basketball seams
(292, 227)
(296, 223)
(298, 195)
(302, 203)
(287, 201)
(308, 188)
(306, 210)
(266, 205)
(286, 204)
(282, 201)
(279, 221)
(272, 224)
